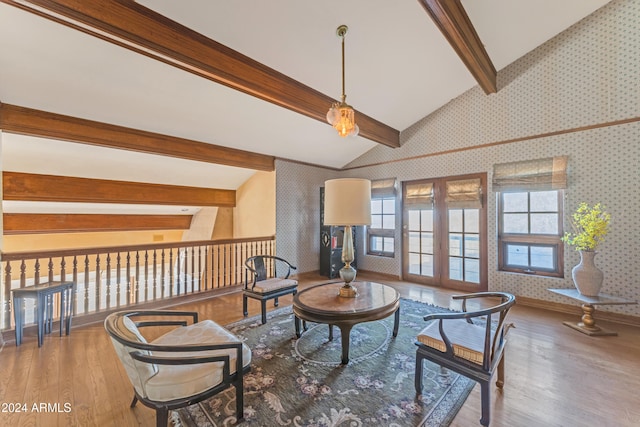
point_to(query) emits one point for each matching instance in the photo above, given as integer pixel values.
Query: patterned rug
(301, 383)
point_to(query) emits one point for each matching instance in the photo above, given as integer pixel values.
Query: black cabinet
(331, 238)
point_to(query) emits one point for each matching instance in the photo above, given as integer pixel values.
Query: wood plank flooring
(555, 376)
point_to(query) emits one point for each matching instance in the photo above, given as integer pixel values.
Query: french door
(444, 232)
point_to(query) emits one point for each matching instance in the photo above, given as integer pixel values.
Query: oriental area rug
(301, 383)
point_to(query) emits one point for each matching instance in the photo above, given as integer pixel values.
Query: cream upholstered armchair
(468, 343)
(185, 365)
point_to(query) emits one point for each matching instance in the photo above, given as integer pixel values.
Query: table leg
(63, 294)
(69, 311)
(41, 310)
(330, 332)
(296, 322)
(345, 332)
(396, 322)
(18, 317)
(588, 325)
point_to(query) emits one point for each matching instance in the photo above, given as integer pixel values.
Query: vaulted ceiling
(248, 75)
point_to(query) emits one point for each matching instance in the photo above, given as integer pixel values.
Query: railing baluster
(146, 275)
(63, 273)
(108, 271)
(137, 279)
(179, 261)
(86, 284)
(23, 274)
(50, 269)
(193, 268)
(118, 281)
(7, 296)
(129, 284)
(75, 280)
(98, 283)
(155, 269)
(36, 276)
(163, 279)
(199, 268)
(171, 272)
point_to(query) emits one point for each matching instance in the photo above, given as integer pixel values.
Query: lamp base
(348, 274)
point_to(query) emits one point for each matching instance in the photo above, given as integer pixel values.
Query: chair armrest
(163, 313)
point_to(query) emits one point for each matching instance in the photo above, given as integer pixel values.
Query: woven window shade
(465, 193)
(383, 188)
(419, 196)
(531, 175)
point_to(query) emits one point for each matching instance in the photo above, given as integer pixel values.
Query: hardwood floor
(555, 376)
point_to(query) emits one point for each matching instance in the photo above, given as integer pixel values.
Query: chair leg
(162, 417)
(500, 381)
(263, 303)
(275, 302)
(244, 306)
(486, 402)
(134, 401)
(239, 402)
(418, 377)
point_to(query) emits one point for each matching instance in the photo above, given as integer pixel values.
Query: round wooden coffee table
(321, 304)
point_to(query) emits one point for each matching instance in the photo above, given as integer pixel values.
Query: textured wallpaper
(586, 76)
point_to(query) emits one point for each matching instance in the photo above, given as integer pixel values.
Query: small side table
(43, 293)
(588, 325)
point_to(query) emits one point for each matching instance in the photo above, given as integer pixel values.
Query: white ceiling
(399, 69)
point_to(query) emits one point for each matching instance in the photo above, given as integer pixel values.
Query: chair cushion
(176, 381)
(273, 284)
(467, 339)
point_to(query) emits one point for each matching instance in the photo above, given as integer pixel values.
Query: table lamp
(347, 202)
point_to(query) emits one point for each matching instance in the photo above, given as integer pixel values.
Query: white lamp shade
(347, 201)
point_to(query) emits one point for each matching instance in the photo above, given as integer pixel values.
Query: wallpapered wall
(586, 76)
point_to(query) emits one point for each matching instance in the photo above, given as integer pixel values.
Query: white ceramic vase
(586, 276)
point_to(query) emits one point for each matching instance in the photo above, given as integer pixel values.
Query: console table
(43, 293)
(588, 325)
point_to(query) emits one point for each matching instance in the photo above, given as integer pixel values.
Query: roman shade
(531, 175)
(464, 193)
(383, 188)
(419, 195)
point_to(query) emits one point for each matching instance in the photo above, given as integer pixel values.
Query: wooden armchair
(184, 366)
(262, 287)
(471, 349)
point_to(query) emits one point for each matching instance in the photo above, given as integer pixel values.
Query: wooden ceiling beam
(27, 121)
(135, 27)
(20, 223)
(53, 188)
(453, 21)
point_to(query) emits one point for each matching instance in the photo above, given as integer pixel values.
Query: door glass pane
(472, 220)
(517, 255)
(376, 221)
(455, 244)
(414, 264)
(514, 202)
(427, 242)
(426, 217)
(471, 246)
(414, 241)
(472, 270)
(544, 223)
(542, 257)
(455, 268)
(516, 223)
(388, 222)
(389, 206)
(414, 220)
(455, 220)
(376, 206)
(544, 201)
(427, 265)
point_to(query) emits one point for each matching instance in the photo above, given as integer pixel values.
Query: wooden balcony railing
(114, 277)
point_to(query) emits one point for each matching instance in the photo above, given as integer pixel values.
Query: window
(530, 213)
(381, 233)
(530, 229)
